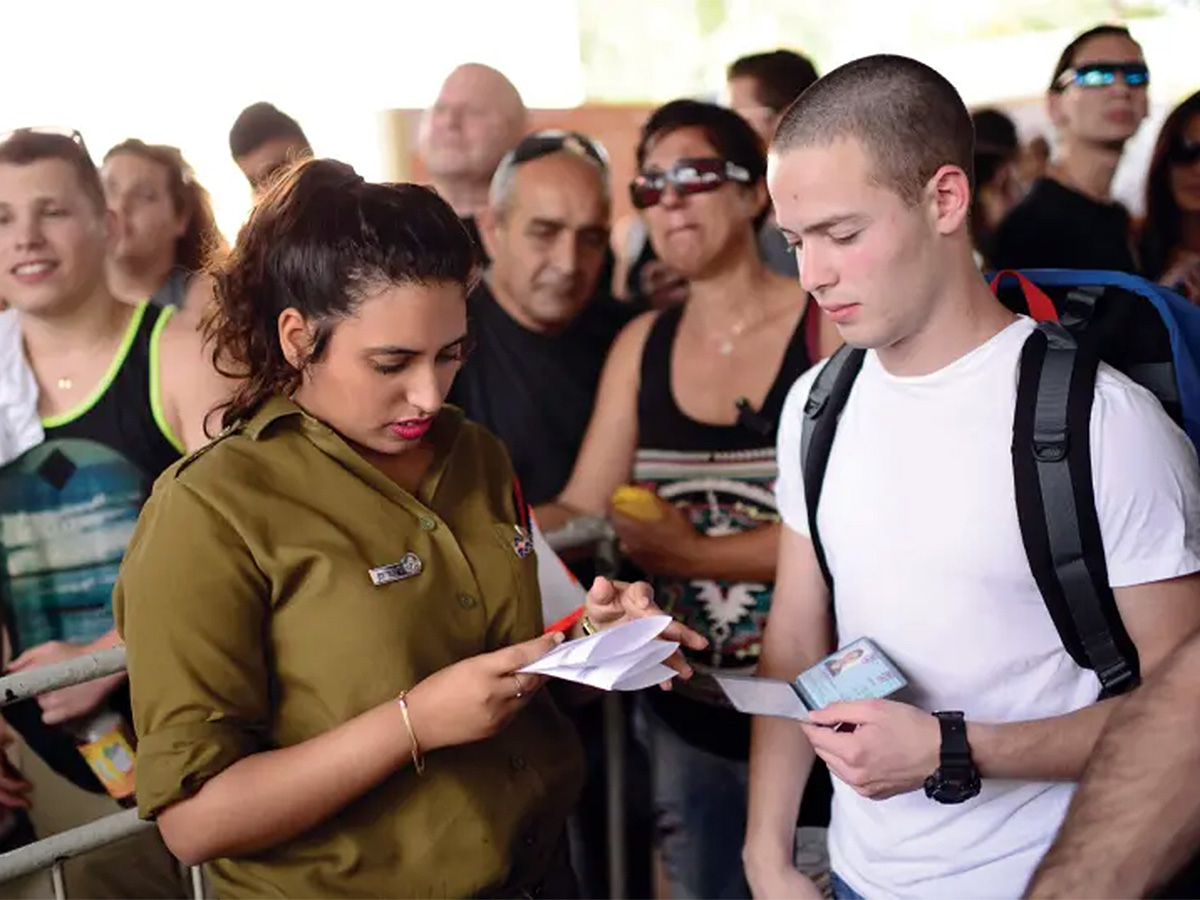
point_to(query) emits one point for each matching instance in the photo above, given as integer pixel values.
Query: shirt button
(530, 840)
(426, 523)
(466, 601)
(518, 763)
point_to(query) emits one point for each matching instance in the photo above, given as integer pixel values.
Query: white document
(628, 657)
(763, 696)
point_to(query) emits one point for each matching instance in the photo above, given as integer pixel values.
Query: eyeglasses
(543, 143)
(688, 176)
(1184, 152)
(1102, 74)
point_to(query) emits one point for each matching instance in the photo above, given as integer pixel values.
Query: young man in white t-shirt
(869, 173)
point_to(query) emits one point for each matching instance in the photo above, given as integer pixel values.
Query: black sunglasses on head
(543, 143)
(1102, 74)
(688, 176)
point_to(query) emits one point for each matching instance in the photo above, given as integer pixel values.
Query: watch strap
(956, 751)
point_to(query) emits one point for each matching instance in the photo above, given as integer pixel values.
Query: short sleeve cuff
(1147, 570)
(174, 763)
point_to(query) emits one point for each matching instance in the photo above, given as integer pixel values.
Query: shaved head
(490, 85)
(908, 118)
(477, 118)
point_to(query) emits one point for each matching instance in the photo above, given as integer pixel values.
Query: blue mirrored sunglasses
(1135, 75)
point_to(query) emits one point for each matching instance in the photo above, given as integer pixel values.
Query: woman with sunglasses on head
(687, 411)
(165, 229)
(1170, 239)
(326, 610)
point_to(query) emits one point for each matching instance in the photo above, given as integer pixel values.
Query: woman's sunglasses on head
(1102, 74)
(688, 176)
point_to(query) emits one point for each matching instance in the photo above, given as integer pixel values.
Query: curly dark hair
(319, 237)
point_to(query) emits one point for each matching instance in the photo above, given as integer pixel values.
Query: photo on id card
(857, 671)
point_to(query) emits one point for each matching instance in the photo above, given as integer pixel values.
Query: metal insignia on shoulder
(408, 566)
(522, 543)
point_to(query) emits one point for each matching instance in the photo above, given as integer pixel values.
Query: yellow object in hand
(637, 503)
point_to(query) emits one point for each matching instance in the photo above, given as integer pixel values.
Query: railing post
(56, 879)
(608, 562)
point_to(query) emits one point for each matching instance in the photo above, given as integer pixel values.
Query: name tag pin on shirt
(408, 566)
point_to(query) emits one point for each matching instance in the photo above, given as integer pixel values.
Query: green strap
(114, 367)
(156, 405)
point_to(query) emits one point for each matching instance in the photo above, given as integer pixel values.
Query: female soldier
(325, 610)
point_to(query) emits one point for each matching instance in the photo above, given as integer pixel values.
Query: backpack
(1084, 317)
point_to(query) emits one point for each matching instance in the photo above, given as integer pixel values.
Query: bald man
(477, 118)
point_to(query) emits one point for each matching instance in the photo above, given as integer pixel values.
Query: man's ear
(295, 337)
(949, 193)
(491, 222)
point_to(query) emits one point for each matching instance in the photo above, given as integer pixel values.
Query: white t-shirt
(919, 524)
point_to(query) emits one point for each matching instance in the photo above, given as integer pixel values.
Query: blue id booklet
(858, 671)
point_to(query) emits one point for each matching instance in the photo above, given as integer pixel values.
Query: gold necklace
(726, 346)
(65, 383)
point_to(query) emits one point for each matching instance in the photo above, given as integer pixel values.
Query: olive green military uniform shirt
(252, 623)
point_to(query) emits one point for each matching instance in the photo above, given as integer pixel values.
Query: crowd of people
(304, 478)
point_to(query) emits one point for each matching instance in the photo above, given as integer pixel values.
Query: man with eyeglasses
(1097, 99)
(539, 339)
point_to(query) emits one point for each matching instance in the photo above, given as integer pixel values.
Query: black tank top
(662, 425)
(67, 510)
(127, 415)
(722, 477)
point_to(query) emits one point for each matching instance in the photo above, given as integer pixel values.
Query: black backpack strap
(1056, 504)
(826, 400)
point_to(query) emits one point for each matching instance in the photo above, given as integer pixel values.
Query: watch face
(944, 790)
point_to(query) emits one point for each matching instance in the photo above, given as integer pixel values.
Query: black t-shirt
(1055, 227)
(534, 391)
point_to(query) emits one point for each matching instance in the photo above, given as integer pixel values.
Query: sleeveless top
(68, 505)
(723, 478)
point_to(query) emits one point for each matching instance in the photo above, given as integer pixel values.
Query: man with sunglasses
(540, 333)
(1097, 99)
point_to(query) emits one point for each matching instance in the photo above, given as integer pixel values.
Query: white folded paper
(627, 657)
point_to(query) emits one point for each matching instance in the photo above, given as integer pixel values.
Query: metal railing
(52, 851)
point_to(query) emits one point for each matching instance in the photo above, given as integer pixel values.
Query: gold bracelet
(418, 758)
(588, 627)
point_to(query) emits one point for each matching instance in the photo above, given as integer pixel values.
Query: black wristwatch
(956, 779)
